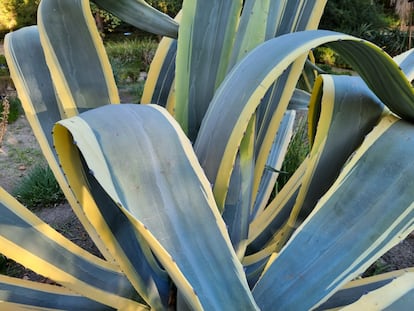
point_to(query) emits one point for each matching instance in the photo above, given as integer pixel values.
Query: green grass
(39, 188)
(130, 57)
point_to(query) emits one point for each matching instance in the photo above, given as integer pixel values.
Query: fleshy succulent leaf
(379, 214)
(28, 240)
(165, 196)
(75, 56)
(36, 92)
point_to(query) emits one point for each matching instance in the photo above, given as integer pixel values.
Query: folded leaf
(160, 187)
(130, 250)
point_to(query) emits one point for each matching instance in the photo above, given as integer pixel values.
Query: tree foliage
(15, 14)
(170, 7)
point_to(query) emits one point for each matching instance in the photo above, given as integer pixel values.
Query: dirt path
(18, 153)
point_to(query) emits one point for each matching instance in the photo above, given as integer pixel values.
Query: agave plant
(176, 192)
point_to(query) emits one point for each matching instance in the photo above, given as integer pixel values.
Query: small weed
(39, 188)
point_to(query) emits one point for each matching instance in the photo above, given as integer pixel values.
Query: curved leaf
(204, 43)
(355, 289)
(297, 16)
(345, 100)
(217, 150)
(141, 15)
(76, 56)
(36, 92)
(361, 217)
(397, 295)
(163, 192)
(159, 86)
(31, 242)
(17, 293)
(130, 250)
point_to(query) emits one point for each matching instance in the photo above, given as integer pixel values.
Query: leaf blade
(160, 181)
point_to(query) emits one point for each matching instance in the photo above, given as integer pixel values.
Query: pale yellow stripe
(22, 212)
(327, 109)
(193, 160)
(386, 122)
(46, 269)
(47, 288)
(100, 49)
(10, 306)
(171, 101)
(384, 296)
(31, 116)
(61, 85)
(71, 164)
(272, 210)
(277, 117)
(367, 253)
(377, 278)
(155, 68)
(167, 261)
(316, 15)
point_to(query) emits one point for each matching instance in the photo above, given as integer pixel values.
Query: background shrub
(129, 57)
(39, 188)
